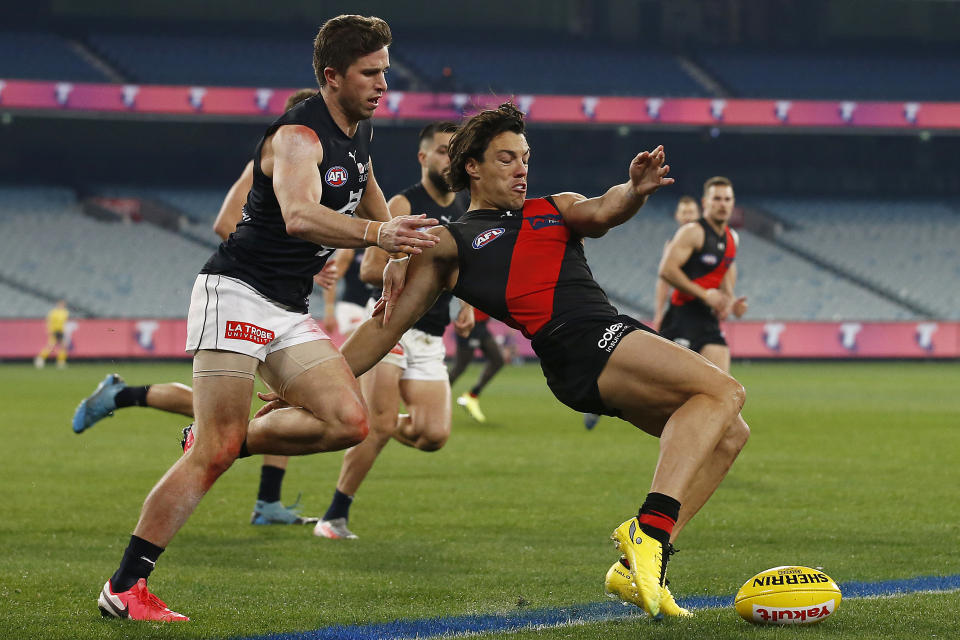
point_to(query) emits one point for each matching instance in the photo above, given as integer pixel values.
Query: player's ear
(472, 167)
(332, 77)
(422, 157)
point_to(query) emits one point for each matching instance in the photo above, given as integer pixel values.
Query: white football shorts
(349, 315)
(229, 315)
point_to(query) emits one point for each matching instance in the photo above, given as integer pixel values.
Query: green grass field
(852, 467)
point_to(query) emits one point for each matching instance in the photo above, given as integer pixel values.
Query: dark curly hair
(343, 39)
(473, 138)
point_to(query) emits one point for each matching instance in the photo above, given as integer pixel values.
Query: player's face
(433, 153)
(718, 203)
(686, 212)
(502, 176)
(359, 89)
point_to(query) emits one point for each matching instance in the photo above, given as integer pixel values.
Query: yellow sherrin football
(788, 595)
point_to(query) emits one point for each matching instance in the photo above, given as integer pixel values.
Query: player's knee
(219, 455)
(432, 441)
(736, 437)
(353, 424)
(731, 394)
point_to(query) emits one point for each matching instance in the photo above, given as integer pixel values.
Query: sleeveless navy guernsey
(260, 252)
(435, 320)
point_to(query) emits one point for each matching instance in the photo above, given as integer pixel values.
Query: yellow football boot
(669, 606)
(619, 583)
(472, 406)
(645, 557)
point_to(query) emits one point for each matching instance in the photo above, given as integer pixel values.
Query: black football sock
(658, 515)
(244, 452)
(271, 479)
(138, 561)
(131, 397)
(339, 506)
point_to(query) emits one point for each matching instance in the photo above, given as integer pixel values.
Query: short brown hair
(343, 39)
(432, 129)
(716, 181)
(473, 138)
(297, 97)
(687, 200)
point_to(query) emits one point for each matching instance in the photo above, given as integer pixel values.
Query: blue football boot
(99, 404)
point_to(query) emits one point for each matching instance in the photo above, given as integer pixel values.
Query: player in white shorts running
(414, 370)
(313, 189)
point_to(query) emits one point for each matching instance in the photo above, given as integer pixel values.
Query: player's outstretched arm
(593, 217)
(429, 274)
(295, 153)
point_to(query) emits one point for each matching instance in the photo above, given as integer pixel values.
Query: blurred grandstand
(112, 211)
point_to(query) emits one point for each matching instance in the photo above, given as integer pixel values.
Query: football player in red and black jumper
(699, 264)
(522, 261)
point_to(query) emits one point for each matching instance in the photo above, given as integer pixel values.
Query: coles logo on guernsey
(487, 237)
(246, 331)
(336, 176)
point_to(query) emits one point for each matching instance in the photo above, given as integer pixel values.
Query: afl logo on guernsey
(487, 237)
(336, 176)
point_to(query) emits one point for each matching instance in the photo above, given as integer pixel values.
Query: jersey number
(347, 209)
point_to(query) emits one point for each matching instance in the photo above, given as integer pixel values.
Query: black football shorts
(573, 354)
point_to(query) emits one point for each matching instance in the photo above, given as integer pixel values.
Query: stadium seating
(217, 60)
(779, 285)
(908, 247)
(42, 56)
(549, 69)
(20, 304)
(835, 75)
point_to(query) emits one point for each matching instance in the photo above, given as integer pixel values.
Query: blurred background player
(113, 393)
(414, 370)
(687, 211)
(699, 263)
(56, 336)
(480, 338)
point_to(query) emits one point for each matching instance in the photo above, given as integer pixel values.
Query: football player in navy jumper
(313, 190)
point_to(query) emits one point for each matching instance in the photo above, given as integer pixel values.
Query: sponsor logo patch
(397, 350)
(611, 337)
(708, 258)
(790, 615)
(539, 222)
(487, 237)
(336, 176)
(245, 331)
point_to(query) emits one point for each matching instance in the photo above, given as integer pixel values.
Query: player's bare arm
(430, 273)
(593, 217)
(375, 259)
(231, 211)
(737, 306)
(291, 157)
(341, 262)
(689, 238)
(465, 321)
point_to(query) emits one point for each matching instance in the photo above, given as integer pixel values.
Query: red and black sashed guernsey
(709, 264)
(526, 268)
